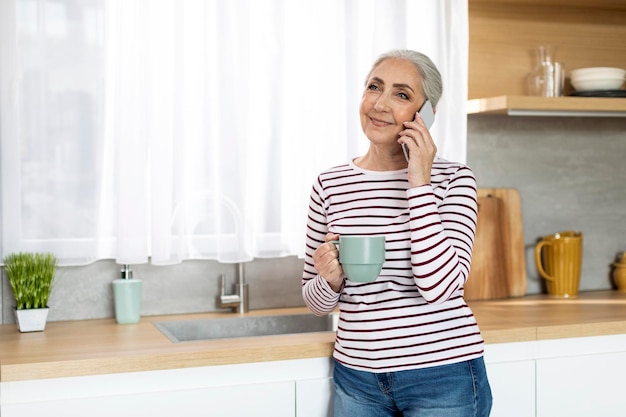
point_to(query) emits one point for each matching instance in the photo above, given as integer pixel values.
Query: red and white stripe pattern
(413, 315)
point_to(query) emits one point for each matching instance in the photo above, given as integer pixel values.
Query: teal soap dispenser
(127, 297)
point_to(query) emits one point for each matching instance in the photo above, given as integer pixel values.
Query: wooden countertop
(95, 347)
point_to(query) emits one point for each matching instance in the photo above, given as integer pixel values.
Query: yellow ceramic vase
(619, 275)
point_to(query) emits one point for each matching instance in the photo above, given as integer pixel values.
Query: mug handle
(538, 262)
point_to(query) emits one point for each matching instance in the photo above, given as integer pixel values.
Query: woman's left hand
(422, 151)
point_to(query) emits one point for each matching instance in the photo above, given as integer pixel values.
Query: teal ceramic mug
(361, 257)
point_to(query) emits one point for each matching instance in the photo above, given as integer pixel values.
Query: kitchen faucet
(238, 301)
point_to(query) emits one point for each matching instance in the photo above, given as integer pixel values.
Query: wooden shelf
(542, 106)
(585, 4)
(503, 35)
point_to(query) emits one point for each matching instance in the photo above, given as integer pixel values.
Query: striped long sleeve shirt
(413, 315)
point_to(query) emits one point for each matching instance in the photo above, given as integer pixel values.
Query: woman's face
(393, 94)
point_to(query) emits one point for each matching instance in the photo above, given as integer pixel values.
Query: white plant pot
(31, 320)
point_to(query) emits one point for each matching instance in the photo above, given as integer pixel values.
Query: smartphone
(428, 116)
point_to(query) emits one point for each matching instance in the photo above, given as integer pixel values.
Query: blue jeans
(456, 390)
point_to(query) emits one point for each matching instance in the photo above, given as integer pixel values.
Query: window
(165, 130)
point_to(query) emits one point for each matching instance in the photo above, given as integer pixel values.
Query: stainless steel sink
(249, 326)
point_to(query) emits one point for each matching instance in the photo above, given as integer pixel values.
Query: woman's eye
(403, 96)
(372, 87)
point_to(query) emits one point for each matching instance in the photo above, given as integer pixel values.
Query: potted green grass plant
(31, 276)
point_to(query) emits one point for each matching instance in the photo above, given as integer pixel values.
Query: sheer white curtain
(164, 130)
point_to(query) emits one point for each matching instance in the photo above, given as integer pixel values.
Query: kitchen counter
(97, 347)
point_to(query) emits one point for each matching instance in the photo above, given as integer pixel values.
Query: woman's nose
(381, 103)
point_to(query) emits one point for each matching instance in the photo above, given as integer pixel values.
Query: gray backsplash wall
(571, 173)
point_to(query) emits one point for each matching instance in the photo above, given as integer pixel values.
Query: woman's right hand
(326, 262)
(422, 150)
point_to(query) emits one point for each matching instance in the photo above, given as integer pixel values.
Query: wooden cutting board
(498, 263)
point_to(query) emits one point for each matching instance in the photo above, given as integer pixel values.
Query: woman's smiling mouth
(379, 123)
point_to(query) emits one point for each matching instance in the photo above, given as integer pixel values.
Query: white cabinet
(314, 397)
(573, 377)
(275, 399)
(582, 385)
(254, 389)
(513, 388)
(511, 372)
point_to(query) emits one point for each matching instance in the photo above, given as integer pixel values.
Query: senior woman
(407, 344)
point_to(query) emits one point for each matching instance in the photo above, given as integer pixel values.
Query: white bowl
(602, 72)
(584, 78)
(607, 74)
(590, 84)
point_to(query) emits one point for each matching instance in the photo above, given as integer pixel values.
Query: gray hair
(431, 78)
